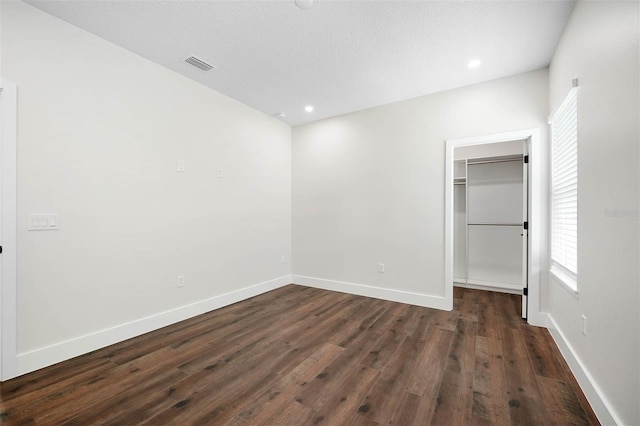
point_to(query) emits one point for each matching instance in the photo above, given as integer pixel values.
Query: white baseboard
(594, 395)
(437, 302)
(49, 355)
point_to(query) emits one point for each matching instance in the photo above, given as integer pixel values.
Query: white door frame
(8, 230)
(536, 233)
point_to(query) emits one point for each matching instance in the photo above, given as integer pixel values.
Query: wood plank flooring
(304, 356)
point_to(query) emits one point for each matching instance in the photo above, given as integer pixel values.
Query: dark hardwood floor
(302, 356)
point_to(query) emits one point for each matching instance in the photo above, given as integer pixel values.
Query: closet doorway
(494, 228)
(490, 218)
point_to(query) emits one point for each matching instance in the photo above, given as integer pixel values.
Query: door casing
(8, 230)
(536, 225)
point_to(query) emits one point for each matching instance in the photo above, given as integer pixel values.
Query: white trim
(535, 215)
(8, 290)
(419, 299)
(43, 357)
(601, 406)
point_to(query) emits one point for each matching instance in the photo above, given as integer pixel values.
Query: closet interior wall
(489, 191)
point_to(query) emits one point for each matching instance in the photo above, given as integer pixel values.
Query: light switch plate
(43, 222)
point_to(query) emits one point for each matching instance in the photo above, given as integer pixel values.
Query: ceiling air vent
(198, 63)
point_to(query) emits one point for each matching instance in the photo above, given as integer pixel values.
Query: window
(564, 191)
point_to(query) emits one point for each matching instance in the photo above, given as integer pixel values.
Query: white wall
(489, 150)
(600, 48)
(100, 130)
(368, 187)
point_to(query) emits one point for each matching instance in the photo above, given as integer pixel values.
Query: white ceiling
(339, 56)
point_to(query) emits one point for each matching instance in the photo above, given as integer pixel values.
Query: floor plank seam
(303, 356)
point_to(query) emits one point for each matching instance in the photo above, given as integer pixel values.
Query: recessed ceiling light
(280, 114)
(474, 64)
(308, 108)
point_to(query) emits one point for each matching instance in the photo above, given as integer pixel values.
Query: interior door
(525, 233)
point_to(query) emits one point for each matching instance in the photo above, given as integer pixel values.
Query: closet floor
(300, 355)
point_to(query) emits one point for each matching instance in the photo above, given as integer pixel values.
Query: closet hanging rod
(506, 160)
(495, 224)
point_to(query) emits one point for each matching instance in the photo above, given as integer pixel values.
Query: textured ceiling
(339, 56)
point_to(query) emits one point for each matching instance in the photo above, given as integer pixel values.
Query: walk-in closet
(490, 211)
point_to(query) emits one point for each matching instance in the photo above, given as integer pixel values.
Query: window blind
(564, 190)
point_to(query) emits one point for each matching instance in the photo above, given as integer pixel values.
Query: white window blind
(564, 191)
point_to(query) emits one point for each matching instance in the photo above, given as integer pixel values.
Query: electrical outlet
(584, 324)
(180, 280)
(381, 268)
(220, 173)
